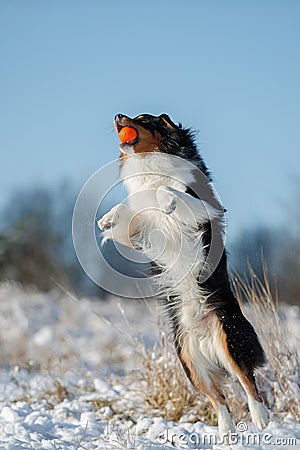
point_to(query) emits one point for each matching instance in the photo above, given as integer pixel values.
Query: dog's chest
(142, 175)
(165, 238)
(173, 245)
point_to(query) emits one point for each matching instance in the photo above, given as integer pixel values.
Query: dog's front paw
(111, 219)
(166, 199)
(106, 222)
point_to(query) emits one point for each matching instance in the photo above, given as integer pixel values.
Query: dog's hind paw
(226, 424)
(259, 414)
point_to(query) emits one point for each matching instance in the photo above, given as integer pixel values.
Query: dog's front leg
(184, 206)
(120, 224)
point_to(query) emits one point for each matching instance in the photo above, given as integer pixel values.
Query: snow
(67, 379)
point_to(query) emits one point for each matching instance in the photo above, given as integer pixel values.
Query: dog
(177, 226)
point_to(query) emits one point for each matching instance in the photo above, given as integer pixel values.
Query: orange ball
(127, 135)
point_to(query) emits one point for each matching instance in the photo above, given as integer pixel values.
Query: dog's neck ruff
(152, 170)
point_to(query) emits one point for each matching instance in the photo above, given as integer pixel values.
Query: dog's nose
(118, 117)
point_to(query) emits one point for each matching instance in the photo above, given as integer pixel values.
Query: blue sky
(230, 69)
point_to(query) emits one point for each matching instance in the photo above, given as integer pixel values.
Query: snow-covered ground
(68, 373)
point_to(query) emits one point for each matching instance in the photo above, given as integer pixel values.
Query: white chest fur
(142, 175)
(168, 239)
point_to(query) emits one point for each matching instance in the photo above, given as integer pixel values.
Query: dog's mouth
(128, 134)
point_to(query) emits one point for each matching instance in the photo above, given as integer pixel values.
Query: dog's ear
(168, 122)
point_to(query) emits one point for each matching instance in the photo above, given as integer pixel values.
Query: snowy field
(73, 377)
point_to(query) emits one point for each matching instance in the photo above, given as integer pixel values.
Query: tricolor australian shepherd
(177, 225)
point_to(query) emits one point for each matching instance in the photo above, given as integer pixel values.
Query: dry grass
(56, 395)
(167, 392)
(158, 386)
(279, 378)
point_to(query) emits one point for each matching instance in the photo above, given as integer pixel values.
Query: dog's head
(153, 134)
(159, 134)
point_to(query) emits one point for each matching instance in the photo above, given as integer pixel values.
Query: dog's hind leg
(241, 360)
(258, 411)
(207, 385)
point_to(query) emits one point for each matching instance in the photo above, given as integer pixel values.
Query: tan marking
(248, 385)
(212, 392)
(167, 121)
(147, 143)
